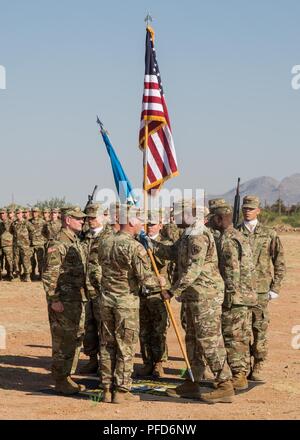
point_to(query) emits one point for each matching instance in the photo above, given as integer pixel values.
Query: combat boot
(107, 394)
(256, 373)
(27, 278)
(158, 370)
(9, 276)
(67, 386)
(222, 394)
(239, 381)
(124, 396)
(91, 367)
(188, 389)
(145, 370)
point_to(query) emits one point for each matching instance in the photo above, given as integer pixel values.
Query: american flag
(161, 162)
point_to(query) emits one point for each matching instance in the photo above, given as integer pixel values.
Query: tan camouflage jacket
(268, 257)
(23, 233)
(197, 263)
(51, 229)
(125, 266)
(38, 239)
(237, 269)
(93, 270)
(64, 272)
(6, 237)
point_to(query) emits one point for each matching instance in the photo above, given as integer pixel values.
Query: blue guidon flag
(122, 182)
(161, 157)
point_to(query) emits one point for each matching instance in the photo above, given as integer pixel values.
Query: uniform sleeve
(142, 268)
(165, 251)
(31, 231)
(94, 268)
(198, 245)
(277, 255)
(230, 266)
(54, 258)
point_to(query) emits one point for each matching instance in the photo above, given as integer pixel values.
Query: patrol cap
(35, 209)
(216, 203)
(10, 210)
(222, 210)
(74, 211)
(155, 216)
(19, 211)
(183, 205)
(94, 210)
(3, 211)
(46, 210)
(57, 210)
(251, 202)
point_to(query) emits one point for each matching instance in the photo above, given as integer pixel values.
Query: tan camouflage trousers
(91, 341)
(119, 336)
(67, 331)
(8, 259)
(204, 341)
(22, 263)
(37, 259)
(260, 323)
(236, 328)
(153, 329)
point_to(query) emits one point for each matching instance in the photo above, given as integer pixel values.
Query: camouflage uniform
(237, 269)
(64, 280)
(6, 246)
(153, 316)
(23, 233)
(268, 254)
(199, 285)
(38, 243)
(92, 242)
(125, 267)
(52, 228)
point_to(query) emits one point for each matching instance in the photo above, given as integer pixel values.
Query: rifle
(236, 208)
(91, 198)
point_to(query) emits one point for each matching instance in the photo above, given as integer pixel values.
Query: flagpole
(145, 159)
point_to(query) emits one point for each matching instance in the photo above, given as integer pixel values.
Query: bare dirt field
(25, 364)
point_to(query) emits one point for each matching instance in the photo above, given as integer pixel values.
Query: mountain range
(268, 190)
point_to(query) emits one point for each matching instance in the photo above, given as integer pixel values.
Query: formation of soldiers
(23, 236)
(103, 293)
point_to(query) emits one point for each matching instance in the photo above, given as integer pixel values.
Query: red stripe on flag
(156, 156)
(165, 142)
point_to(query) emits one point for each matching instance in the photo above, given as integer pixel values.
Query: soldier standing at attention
(26, 214)
(52, 228)
(46, 214)
(153, 313)
(238, 272)
(268, 255)
(38, 243)
(198, 286)
(23, 232)
(93, 238)
(6, 244)
(64, 284)
(125, 268)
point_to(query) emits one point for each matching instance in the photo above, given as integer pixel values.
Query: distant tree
(279, 207)
(55, 202)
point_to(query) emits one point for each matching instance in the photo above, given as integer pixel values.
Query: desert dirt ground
(25, 364)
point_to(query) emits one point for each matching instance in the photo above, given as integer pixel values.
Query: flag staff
(149, 251)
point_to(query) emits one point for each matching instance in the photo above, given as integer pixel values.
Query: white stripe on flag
(151, 79)
(153, 165)
(162, 152)
(152, 92)
(152, 106)
(170, 141)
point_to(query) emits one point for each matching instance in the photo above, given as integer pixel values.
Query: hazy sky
(226, 70)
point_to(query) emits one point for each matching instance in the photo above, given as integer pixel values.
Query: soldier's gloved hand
(272, 295)
(57, 306)
(145, 240)
(166, 295)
